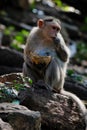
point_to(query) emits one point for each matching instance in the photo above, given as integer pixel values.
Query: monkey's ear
(40, 23)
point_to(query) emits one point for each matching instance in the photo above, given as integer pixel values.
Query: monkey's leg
(53, 75)
(36, 76)
(29, 72)
(42, 84)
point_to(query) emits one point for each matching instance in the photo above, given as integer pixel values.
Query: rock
(11, 57)
(76, 87)
(11, 77)
(19, 117)
(8, 70)
(57, 111)
(10, 85)
(10, 60)
(5, 125)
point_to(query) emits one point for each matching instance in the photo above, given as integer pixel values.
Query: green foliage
(24, 33)
(3, 13)
(9, 90)
(18, 86)
(32, 5)
(28, 80)
(70, 72)
(21, 86)
(86, 20)
(76, 77)
(9, 30)
(19, 39)
(7, 93)
(60, 4)
(81, 51)
(84, 26)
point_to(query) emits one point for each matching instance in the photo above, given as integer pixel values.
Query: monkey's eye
(55, 28)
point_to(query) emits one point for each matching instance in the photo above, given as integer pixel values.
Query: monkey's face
(51, 30)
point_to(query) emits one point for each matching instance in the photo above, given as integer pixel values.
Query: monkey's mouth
(53, 37)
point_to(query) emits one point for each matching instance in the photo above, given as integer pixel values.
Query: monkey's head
(49, 27)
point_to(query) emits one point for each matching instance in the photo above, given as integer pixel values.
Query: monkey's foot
(42, 84)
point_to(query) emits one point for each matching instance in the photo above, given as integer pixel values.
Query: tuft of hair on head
(48, 19)
(51, 19)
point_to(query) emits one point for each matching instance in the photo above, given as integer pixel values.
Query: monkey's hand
(60, 50)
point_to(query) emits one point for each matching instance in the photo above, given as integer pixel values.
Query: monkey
(46, 57)
(46, 47)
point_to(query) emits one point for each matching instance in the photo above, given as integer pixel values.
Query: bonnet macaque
(46, 56)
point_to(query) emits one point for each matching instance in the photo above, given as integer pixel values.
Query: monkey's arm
(61, 48)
